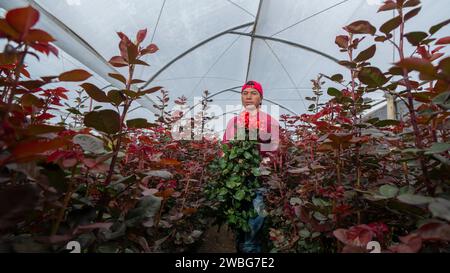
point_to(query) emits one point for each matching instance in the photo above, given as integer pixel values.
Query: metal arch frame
(231, 31)
(307, 48)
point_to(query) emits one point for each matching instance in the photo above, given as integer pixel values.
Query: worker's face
(251, 98)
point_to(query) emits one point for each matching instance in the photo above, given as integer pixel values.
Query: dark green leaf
(391, 25)
(16, 203)
(137, 123)
(416, 37)
(95, 93)
(334, 92)
(135, 81)
(412, 13)
(107, 121)
(388, 191)
(116, 97)
(372, 77)
(55, 176)
(256, 172)
(139, 62)
(386, 122)
(347, 64)
(337, 78)
(414, 199)
(240, 194)
(395, 70)
(130, 93)
(438, 148)
(442, 98)
(437, 27)
(74, 111)
(440, 208)
(151, 90)
(366, 54)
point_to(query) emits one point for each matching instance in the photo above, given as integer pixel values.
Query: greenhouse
(225, 126)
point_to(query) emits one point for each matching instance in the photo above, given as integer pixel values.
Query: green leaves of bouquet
(234, 189)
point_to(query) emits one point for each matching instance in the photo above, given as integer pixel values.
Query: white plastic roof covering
(86, 34)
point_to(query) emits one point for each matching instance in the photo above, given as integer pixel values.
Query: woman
(267, 134)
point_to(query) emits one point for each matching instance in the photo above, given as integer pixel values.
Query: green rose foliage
(233, 191)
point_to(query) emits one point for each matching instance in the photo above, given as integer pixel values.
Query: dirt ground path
(217, 241)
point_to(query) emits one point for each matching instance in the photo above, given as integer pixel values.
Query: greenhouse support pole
(391, 107)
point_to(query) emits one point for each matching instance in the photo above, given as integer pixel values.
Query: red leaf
(132, 53)
(436, 56)
(353, 249)
(90, 227)
(69, 162)
(435, 231)
(118, 61)
(166, 193)
(423, 52)
(25, 72)
(411, 244)
(341, 235)
(357, 236)
(45, 48)
(141, 35)
(37, 35)
(22, 19)
(118, 77)
(55, 239)
(444, 66)
(189, 211)
(342, 41)
(7, 30)
(388, 5)
(170, 161)
(361, 27)
(340, 138)
(441, 86)
(37, 146)
(413, 84)
(418, 64)
(123, 36)
(443, 41)
(77, 75)
(152, 48)
(45, 116)
(123, 45)
(53, 50)
(437, 49)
